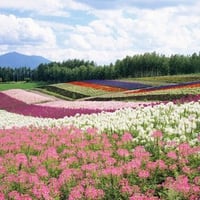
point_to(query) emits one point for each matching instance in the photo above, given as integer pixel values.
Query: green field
(20, 85)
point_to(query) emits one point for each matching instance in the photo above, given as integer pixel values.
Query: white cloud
(109, 35)
(44, 7)
(119, 32)
(24, 31)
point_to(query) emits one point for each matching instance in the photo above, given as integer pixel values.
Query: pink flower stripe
(68, 163)
(15, 106)
(27, 97)
(98, 86)
(102, 105)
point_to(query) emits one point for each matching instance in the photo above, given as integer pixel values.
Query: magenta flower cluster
(68, 163)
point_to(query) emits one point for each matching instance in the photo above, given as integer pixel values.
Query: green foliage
(20, 85)
(163, 80)
(62, 92)
(143, 65)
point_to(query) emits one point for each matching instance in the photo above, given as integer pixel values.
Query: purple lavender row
(15, 106)
(119, 84)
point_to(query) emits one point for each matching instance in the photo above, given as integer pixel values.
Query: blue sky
(99, 30)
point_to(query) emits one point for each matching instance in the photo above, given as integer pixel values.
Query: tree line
(147, 64)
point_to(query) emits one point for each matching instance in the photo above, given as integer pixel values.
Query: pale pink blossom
(28, 96)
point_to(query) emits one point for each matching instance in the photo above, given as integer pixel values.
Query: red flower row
(97, 86)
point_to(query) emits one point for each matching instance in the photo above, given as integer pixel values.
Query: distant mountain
(16, 60)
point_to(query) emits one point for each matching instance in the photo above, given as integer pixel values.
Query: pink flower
(181, 184)
(92, 131)
(2, 197)
(82, 154)
(51, 153)
(127, 137)
(110, 161)
(21, 159)
(76, 193)
(157, 134)
(151, 165)
(25, 197)
(114, 171)
(42, 172)
(90, 167)
(115, 136)
(195, 189)
(14, 195)
(141, 153)
(41, 192)
(185, 149)
(173, 167)
(123, 152)
(143, 174)
(186, 170)
(125, 187)
(93, 193)
(142, 197)
(132, 166)
(172, 155)
(197, 180)
(161, 164)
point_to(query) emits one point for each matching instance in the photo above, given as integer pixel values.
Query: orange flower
(97, 86)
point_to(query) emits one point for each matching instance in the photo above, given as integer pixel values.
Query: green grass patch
(20, 85)
(62, 92)
(51, 93)
(82, 90)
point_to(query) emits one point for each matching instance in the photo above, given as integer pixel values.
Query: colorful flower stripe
(33, 98)
(119, 84)
(167, 87)
(180, 122)
(97, 86)
(19, 107)
(69, 163)
(27, 96)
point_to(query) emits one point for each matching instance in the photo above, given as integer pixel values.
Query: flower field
(53, 149)
(118, 84)
(155, 93)
(92, 84)
(190, 85)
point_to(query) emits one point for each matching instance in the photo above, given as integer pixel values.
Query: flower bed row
(119, 84)
(101, 105)
(19, 107)
(63, 92)
(177, 122)
(27, 96)
(97, 86)
(69, 163)
(195, 84)
(88, 91)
